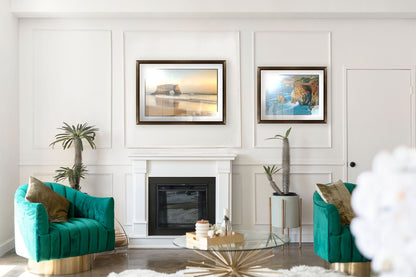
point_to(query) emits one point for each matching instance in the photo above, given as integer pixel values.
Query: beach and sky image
(279, 89)
(181, 92)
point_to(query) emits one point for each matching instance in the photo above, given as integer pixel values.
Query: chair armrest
(98, 208)
(33, 217)
(31, 221)
(328, 214)
(30, 216)
(326, 223)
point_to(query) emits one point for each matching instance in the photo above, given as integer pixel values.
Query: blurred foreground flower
(385, 204)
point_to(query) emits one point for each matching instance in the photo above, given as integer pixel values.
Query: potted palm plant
(74, 135)
(284, 204)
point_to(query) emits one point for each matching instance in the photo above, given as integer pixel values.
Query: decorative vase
(286, 206)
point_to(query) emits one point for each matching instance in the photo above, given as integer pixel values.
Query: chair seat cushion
(78, 236)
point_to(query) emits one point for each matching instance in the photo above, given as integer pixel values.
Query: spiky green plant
(270, 171)
(74, 135)
(285, 160)
(74, 175)
(286, 136)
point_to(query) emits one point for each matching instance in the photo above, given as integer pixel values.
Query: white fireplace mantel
(173, 165)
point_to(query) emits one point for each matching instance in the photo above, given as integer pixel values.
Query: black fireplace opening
(176, 203)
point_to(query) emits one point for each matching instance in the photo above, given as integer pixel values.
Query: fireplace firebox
(176, 203)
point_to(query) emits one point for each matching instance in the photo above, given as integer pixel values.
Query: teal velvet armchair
(90, 226)
(333, 242)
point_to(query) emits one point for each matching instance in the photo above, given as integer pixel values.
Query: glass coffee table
(247, 258)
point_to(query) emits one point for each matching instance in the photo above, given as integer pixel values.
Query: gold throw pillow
(56, 205)
(338, 195)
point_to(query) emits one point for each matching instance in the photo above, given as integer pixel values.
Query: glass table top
(253, 240)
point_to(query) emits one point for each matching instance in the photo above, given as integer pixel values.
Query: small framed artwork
(291, 94)
(180, 92)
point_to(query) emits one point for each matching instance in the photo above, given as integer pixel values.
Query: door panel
(379, 115)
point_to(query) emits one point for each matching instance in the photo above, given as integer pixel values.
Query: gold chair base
(70, 265)
(355, 269)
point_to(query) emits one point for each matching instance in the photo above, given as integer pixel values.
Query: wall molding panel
(237, 198)
(191, 45)
(314, 48)
(96, 184)
(72, 67)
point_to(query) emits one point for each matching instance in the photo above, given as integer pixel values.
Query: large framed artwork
(291, 94)
(180, 92)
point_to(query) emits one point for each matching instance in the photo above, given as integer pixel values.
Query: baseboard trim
(6, 246)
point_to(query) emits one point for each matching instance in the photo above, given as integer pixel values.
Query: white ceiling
(216, 8)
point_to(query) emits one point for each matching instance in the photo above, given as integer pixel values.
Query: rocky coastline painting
(291, 95)
(180, 91)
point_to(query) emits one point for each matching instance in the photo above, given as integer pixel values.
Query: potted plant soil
(283, 201)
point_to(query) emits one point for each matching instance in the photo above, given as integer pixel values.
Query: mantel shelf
(183, 157)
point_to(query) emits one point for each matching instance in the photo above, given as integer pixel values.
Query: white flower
(221, 232)
(385, 203)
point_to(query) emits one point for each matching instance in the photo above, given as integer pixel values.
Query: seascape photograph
(181, 92)
(291, 94)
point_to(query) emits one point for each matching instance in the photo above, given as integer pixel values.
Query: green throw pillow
(338, 195)
(56, 205)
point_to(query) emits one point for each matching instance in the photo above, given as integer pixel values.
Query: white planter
(290, 205)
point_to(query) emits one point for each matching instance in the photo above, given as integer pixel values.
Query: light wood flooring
(164, 260)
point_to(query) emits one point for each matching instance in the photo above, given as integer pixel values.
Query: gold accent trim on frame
(70, 265)
(355, 269)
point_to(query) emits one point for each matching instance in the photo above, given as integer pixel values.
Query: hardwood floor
(163, 260)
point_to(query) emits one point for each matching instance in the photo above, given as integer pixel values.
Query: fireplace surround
(145, 166)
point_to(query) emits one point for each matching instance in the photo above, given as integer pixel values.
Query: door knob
(353, 164)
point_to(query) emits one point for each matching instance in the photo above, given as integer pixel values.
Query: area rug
(297, 271)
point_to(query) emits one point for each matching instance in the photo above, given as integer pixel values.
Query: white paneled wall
(84, 70)
(71, 80)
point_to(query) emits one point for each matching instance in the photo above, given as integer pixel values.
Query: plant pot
(290, 204)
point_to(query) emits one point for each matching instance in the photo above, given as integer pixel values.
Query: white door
(379, 115)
